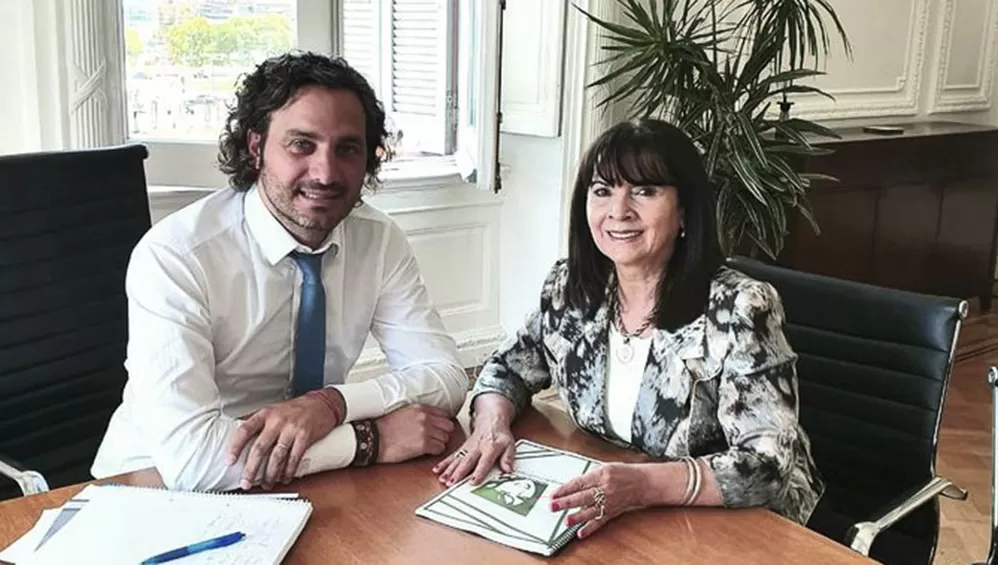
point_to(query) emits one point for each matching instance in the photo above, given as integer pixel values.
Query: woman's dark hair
(270, 87)
(648, 152)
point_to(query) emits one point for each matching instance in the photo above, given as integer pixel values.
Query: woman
(654, 344)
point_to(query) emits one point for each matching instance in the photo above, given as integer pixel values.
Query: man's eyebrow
(351, 139)
(301, 133)
(314, 136)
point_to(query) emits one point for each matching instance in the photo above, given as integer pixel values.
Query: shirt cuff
(335, 451)
(363, 400)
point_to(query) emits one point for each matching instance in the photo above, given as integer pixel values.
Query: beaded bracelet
(367, 443)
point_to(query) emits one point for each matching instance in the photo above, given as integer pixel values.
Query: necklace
(625, 353)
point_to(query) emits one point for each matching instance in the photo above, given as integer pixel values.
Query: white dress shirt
(212, 310)
(623, 382)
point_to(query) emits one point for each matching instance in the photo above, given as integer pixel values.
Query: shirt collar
(275, 241)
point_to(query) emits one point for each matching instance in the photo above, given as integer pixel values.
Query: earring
(682, 232)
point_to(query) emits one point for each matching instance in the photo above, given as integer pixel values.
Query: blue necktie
(310, 337)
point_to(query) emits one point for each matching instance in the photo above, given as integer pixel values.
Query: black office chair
(68, 222)
(993, 385)
(874, 366)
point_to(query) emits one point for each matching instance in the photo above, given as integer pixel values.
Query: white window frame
(192, 164)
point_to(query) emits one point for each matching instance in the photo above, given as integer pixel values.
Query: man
(248, 307)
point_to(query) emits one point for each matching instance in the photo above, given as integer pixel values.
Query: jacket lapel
(585, 371)
(675, 360)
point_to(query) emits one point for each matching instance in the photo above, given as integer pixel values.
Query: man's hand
(412, 431)
(280, 434)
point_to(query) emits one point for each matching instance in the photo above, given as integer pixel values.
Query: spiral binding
(201, 494)
(566, 536)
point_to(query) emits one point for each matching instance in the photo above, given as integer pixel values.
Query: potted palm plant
(715, 68)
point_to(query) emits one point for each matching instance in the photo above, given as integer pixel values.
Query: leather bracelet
(366, 453)
(332, 405)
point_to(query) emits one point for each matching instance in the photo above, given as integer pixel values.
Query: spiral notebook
(125, 524)
(514, 509)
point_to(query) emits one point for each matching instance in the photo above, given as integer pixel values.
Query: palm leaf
(716, 80)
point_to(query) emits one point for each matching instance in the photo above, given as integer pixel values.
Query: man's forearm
(335, 451)
(191, 454)
(439, 384)
(200, 464)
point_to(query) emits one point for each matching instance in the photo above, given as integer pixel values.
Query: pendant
(625, 353)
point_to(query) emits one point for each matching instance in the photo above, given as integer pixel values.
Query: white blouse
(626, 368)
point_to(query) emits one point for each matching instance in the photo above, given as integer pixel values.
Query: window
(183, 57)
(433, 63)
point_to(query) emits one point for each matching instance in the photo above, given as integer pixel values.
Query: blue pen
(195, 548)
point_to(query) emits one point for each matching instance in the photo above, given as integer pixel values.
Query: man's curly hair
(270, 87)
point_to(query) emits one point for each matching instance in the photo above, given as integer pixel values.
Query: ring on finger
(599, 501)
(461, 453)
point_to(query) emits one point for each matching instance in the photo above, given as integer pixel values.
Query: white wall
(912, 60)
(530, 226)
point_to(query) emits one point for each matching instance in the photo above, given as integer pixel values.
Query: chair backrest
(68, 223)
(874, 366)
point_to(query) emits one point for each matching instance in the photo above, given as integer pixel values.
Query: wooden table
(366, 516)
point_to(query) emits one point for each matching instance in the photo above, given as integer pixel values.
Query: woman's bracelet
(698, 482)
(694, 481)
(688, 492)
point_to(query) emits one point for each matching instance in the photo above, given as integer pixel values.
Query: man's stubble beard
(280, 200)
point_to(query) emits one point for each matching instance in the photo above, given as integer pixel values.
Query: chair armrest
(861, 535)
(30, 482)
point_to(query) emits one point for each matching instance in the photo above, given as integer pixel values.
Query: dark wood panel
(844, 248)
(907, 220)
(966, 234)
(916, 212)
(871, 164)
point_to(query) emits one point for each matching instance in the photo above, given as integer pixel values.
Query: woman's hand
(490, 440)
(601, 495)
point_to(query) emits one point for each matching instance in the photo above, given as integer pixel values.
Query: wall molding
(902, 99)
(473, 346)
(582, 120)
(965, 97)
(93, 65)
(472, 309)
(899, 85)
